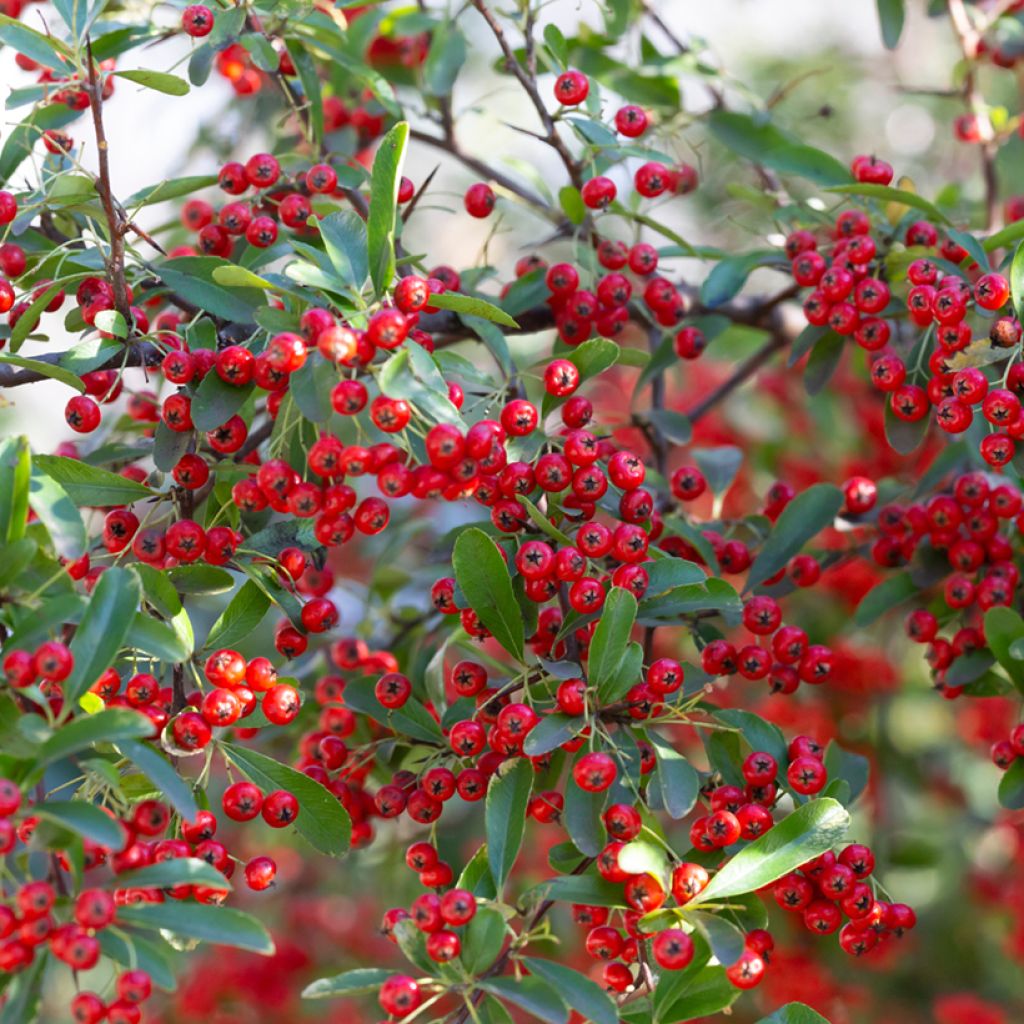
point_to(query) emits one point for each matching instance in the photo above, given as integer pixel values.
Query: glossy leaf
(222, 926)
(380, 226)
(483, 578)
(810, 830)
(505, 817)
(322, 820)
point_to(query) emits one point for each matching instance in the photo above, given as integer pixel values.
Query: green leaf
(1011, 786)
(704, 992)
(505, 817)
(884, 596)
(52, 370)
(216, 401)
(729, 275)
(411, 721)
(103, 629)
(240, 277)
(23, 137)
(802, 519)
(551, 732)
(761, 735)
(222, 926)
(83, 819)
(175, 188)
(800, 1013)
(44, 49)
(160, 593)
(191, 277)
(91, 486)
(380, 225)
(344, 236)
(472, 306)
(169, 446)
(162, 775)
(588, 888)
(823, 362)
(582, 994)
(484, 580)
(15, 481)
(581, 817)
(58, 514)
(851, 768)
(809, 831)
(760, 141)
(611, 638)
(412, 374)
(890, 16)
(445, 58)
(136, 952)
(1017, 280)
(531, 994)
(1010, 234)
(678, 780)
(594, 356)
(1002, 627)
(571, 202)
(110, 726)
(310, 80)
(904, 436)
(200, 579)
(888, 194)
(167, 873)
(322, 820)
(244, 612)
(170, 85)
(158, 639)
(673, 425)
(359, 982)
(719, 466)
(483, 940)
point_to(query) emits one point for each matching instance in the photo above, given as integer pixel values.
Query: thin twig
(115, 223)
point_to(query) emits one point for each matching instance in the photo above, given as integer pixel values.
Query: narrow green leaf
(890, 17)
(1003, 626)
(110, 726)
(15, 482)
(167, 873)
(729, 275)
(505, 817)
(222, 926)
(59, 514)
(678, 780)
(888, 194)
(91, 486)
(579, 991)
(244, 612)
(380, 226)
(483, 940)
(800, 1013)
(344, 235)
(103, 629)
(359, 982)
(472, 306)
(809, 831)
(162, 775)
(760, 141)
(170, 85)
(52, 370)
(531, 994)
(322, 820)
(83, 819)
(611, 637)
(483, 578)
(802, 519)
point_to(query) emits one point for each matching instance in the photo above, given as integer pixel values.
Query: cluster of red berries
(853, 300)
(831, 888)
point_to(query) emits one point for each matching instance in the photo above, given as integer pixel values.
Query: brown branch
(115, 223)
(742, 373)
(481, 167)
(970, 39)
(141, 354)
(553, 139)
